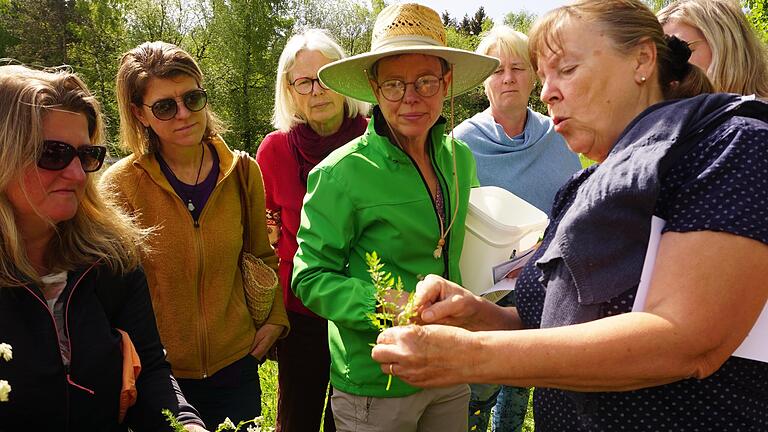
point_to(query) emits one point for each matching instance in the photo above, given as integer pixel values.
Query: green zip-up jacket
(369, 196)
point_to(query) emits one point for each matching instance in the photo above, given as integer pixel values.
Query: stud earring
(642, 79)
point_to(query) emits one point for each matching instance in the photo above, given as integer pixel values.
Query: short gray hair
(286, 115)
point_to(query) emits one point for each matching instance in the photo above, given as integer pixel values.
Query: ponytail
(678, 78)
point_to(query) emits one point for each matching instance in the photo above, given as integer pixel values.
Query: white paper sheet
(754, 347)
(505, 276)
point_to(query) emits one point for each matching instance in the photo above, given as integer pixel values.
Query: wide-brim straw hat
(406, 28)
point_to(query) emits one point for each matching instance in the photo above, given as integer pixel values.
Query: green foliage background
(237, 43)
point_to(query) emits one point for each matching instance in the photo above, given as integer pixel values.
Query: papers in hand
(754, 347)
(505, 276)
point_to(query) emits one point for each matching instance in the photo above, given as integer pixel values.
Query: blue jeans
(511, 405)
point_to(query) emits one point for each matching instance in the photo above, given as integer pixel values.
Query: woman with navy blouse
(613, 85)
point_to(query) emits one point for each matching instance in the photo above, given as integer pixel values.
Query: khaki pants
(430, 410)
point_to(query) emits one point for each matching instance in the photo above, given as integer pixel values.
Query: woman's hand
(194, 428)
(426, 356)
(440, 301)
(273, 232)
(265, 338)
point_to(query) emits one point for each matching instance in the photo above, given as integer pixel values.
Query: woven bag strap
(242, 174)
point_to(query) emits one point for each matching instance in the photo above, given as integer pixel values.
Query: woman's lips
(412, 116)
(65, 191)
(558, 122)
(185, 128)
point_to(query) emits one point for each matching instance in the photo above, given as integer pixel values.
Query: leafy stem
(390, 310)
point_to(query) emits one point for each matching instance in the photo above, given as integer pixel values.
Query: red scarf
(310, 148)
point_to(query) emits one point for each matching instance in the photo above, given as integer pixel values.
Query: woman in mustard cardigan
(182, 179)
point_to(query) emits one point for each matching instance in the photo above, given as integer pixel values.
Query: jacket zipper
(448, 212)
(68, 377)
(203, 324)
(66, 328)
(432, 200)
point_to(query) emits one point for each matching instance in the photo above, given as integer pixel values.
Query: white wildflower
(227, 424)
(254, 428)
(5, 388)
(6, 352)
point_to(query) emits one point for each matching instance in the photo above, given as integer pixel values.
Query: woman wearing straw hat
(667, 149)
(400, 190)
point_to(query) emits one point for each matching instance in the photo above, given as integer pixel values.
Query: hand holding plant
(394, 305)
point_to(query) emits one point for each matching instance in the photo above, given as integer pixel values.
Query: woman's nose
(317, 89)
(182, 111)
(410, 94)
(74, 171)
(549, 92)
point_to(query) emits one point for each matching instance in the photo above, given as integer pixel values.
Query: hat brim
(349, 76)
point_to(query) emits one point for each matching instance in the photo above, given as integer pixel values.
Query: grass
(268, 377)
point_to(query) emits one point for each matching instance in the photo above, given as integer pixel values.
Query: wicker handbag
(259, 280)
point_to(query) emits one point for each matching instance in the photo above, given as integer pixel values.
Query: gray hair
(286, 115)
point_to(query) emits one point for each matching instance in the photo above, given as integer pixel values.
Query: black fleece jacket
(84, 396)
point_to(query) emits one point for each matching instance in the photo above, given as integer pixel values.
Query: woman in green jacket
(401, 190)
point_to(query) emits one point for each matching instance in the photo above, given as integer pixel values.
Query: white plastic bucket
(499, 223)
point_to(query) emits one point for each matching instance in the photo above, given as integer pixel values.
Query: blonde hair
(100, 230)
(286, 114)
(508, 42)
(739, 62)
(139, 65)
(627, 23)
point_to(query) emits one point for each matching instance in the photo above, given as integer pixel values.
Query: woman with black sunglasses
(182, 179)
(74, 304)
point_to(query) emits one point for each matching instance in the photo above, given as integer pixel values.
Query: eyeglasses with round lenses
(57, 155)
(394, 90)
(305, 85)
(166, 109)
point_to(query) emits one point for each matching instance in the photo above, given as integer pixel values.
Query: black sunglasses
(166, 109)
(58, 155)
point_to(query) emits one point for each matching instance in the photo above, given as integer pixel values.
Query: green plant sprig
(253, 425)
(387, 312)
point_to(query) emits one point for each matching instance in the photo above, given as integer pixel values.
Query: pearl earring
(642, 79)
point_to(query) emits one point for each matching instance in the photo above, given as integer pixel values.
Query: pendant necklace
(191, 206)
(438, 252)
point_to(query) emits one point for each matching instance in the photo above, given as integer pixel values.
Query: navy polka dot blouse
(721, 185)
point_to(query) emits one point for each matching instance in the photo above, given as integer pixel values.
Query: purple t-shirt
(198, 194)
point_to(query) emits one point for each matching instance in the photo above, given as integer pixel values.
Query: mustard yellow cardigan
(192, 270)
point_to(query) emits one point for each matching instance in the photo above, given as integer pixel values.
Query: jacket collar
(227, 163)
(378, 127)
